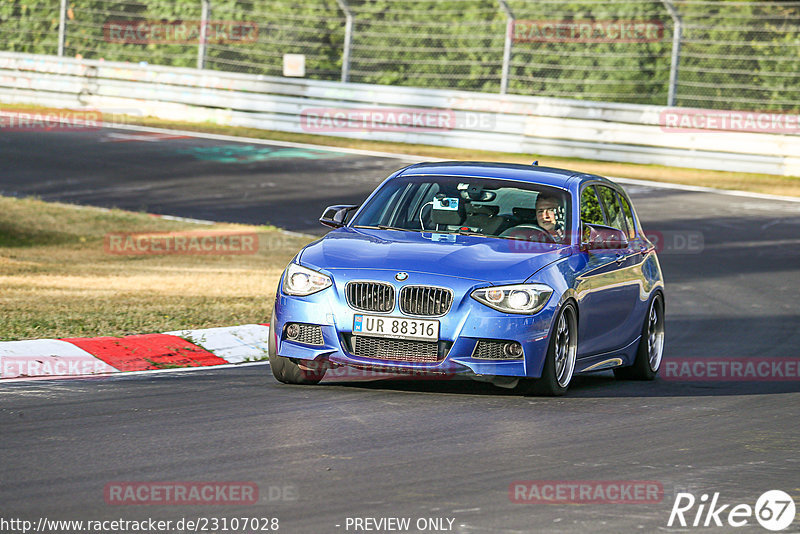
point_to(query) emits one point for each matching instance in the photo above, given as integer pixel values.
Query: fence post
(201, 48)
(348, 38)
(507, 47)
(677, 35)
(62, 27)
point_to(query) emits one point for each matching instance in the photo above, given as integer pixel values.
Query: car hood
(478, 258)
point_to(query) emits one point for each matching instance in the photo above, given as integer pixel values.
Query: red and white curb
(91, 356)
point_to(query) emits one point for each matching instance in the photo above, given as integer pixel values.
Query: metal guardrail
(479, 121)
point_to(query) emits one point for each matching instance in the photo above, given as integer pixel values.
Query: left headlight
(519, 298)
(301, 281)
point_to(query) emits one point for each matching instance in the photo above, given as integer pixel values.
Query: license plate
(396, 327)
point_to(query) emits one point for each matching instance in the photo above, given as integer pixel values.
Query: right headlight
(519, 298)
(301, 281)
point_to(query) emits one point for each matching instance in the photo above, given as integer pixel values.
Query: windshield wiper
(512, 238)
(382, 227)
(470, 232)
(459, 232)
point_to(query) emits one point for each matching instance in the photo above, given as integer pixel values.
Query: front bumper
(467, 322)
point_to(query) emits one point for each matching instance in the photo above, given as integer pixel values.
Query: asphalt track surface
(416, 449)
(188, 177)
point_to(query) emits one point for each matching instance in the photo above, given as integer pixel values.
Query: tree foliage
(742, 55)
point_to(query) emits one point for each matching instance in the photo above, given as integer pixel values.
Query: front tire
(559, 364)
(287, 370)
(651, 345)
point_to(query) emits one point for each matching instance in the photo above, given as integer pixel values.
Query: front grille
(425, 300)
(310, 334)
(370, 296)
(492, 349)
(395, 349)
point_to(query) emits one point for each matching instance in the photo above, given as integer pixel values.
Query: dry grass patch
(57, 278)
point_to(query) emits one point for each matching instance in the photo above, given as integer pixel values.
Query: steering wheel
(526, 227)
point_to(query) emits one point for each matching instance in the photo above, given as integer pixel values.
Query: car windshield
(475, 206)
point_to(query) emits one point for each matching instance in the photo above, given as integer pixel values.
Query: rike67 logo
(774, 510)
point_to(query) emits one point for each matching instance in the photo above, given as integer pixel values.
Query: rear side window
(628, 213)
(614, 216)
(591, 213)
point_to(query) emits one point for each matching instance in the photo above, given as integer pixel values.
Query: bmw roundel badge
(401, 276)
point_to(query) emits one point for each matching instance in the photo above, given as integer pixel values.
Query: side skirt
(608, 360)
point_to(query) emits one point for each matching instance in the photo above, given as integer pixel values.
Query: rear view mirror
(334, 216)
(599, 237)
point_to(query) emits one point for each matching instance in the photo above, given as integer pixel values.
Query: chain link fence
(719, 54)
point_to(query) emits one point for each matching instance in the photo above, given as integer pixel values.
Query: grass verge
(759, 183)
(58, 278)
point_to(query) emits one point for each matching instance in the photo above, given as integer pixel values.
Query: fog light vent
(497, 349)
(309, 334)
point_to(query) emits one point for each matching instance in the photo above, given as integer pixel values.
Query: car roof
(551, 176)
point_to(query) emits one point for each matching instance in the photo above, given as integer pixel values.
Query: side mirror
(334, 216)
(599, 237)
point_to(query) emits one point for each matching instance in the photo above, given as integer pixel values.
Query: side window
(628, 213)
(614, 217)
(591, 213)
(392, 211)
(590, 207)
(424, 193)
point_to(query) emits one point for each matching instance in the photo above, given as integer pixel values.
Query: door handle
(620, 258)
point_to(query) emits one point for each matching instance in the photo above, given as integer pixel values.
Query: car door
(607, 287)
(635, 255)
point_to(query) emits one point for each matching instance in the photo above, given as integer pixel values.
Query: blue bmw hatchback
(517, 275)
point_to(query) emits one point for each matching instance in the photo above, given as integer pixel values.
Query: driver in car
(547, 209)
(549, 224)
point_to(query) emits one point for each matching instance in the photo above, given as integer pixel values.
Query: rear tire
(287, 370)
(559, 364)
(651, 345)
